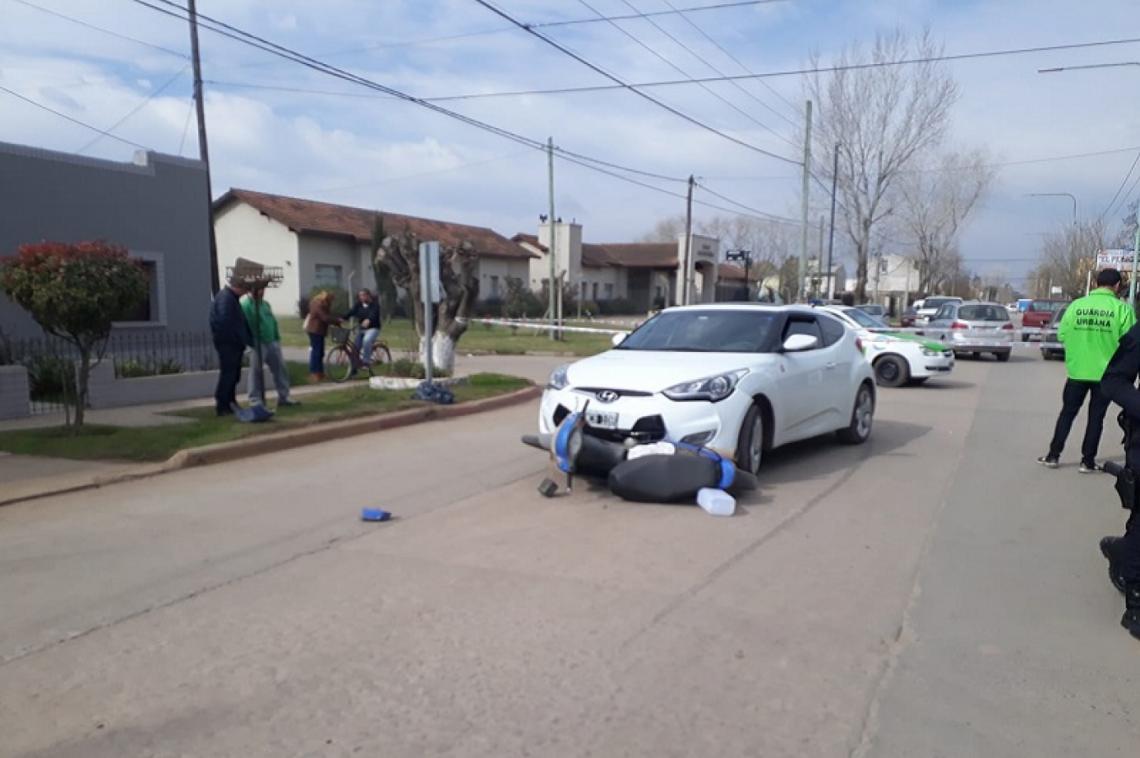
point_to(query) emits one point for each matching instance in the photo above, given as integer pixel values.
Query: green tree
(75, 292)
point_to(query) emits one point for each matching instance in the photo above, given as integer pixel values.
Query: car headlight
(558, 378)
(932, 353)
(712, 388)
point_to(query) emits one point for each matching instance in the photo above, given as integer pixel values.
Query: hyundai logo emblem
(607, 396)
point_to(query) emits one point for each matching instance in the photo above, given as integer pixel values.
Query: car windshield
(937, 302)
(706, 331)
(864, 319)
(983, 313)
(1047, 305)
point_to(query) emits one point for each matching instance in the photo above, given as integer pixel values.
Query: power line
(709, 63)
(186, 126)
(247, 38)
(598, 69)
(133, 111)
(769, 216)
(548, 24)
(791, 72)
(89, 25)
(696, 55)
(684, 16)
(84, 124)
(1112, 202)
(406, 177)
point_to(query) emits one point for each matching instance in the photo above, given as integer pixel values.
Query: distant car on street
(873, 309)
(1049, 336)
(1039, 315)
(908, 317)
(898, 359)
(974, 328)
(925, 309)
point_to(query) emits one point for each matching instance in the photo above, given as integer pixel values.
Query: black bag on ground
(663, 478)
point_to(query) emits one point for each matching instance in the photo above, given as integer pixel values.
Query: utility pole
(804, 208)
(687, 263)
(203, 148)
(819, 257)
(831, 235)
(1135, 255)
(551, 246)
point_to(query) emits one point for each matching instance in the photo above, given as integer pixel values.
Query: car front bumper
(648, 418)
(932, 365)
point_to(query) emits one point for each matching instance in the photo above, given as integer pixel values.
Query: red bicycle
(343, 359)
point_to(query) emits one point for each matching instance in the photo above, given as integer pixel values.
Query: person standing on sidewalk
(317, 327)
(259, 316)
(231, 337)
(1090, 330)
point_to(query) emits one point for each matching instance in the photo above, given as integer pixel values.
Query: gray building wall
(156, 207)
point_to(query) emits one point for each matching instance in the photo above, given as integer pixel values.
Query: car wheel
(1003, 357)
(862, 416)
(891, 371)
(750, 444)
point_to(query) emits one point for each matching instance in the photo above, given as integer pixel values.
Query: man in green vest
(263, 324)
(1090, 331)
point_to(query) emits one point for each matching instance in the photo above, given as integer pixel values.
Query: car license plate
(602, 419)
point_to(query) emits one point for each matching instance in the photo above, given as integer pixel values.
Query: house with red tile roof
(643, 273)
(323, 245)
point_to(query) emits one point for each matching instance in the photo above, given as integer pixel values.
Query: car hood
(653, 371)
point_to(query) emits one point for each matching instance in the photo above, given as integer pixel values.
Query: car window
(803, 325)
(945, 312)
(938, 302)
(864, 319)
(707, 331)
(1047, 305)
(983, 313)
(831, 329)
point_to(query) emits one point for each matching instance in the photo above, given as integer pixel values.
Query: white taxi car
(738, 378)
(898, 358)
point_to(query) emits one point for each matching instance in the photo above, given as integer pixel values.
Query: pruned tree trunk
(84, 374)
(460, 288)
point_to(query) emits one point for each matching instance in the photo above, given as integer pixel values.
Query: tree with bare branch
(458, 273)
(1068, 257)
(883, 118)
(934, 203)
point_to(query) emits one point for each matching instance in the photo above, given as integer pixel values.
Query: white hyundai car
(737, 378)
(897, 358)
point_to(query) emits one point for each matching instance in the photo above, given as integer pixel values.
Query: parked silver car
(973, 328)
(925, 310)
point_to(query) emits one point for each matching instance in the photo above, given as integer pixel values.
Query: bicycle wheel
(381, 354)
(338, 364)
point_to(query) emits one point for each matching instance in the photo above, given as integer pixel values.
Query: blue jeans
(316, 353)
(271, 352)
(365, 339)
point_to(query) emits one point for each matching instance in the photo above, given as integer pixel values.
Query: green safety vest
(1090, 330)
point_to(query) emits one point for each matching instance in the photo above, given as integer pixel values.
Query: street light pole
(1058, 194)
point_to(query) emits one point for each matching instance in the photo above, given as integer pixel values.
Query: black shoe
(287, 403)
(1048, 461)
(1088, 467)
(1131, 618)
(223, 412)
(1107, 545)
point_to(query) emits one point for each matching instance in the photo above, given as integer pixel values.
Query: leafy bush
(590, 308)
(618, 307)
(520, 302)
(50, 377)
(133, 369)
(492, 307)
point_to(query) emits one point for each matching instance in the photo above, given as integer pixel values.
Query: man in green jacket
(1090, 330)
(263, 325)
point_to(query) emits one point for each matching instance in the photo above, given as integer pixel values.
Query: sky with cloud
(276, 126)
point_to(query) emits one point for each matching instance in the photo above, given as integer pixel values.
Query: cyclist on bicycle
(366, 313)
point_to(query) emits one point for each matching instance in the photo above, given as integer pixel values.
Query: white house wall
(244, 232)
(500, 270)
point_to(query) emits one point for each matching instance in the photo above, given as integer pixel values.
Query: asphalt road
(932, 593)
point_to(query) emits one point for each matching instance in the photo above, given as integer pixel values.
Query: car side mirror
(618, 338)
(797, 343)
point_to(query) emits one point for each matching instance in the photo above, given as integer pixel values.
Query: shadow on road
(936, 384)
(822, 456)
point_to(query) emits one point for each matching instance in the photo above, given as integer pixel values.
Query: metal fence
(51, 361)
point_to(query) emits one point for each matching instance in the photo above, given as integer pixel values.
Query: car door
(841, 354)
(804, 395)
(939, 327)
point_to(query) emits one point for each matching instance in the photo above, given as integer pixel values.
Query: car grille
(645, 429)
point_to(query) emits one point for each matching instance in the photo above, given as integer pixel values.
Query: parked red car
(1039, 315)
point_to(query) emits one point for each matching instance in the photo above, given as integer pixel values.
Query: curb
(223, 452)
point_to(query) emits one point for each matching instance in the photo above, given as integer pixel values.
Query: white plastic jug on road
(716, 502)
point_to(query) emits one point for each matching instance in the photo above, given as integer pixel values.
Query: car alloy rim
(889, 371)
(864, 410)
(756, 444)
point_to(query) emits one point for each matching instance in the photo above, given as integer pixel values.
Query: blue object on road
(254, 414)
(374, 514)
(434, 393)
